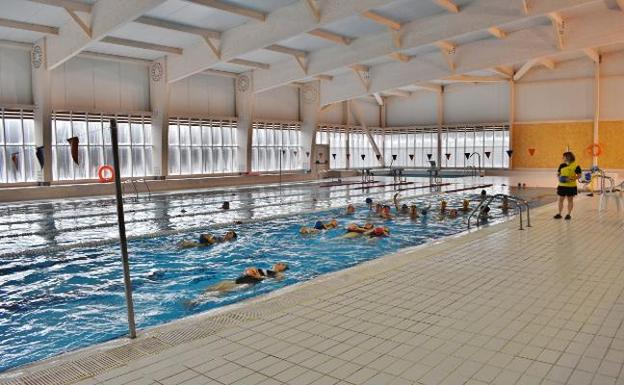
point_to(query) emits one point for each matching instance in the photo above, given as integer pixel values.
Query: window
(349, 144)
(276, 146)
(95, 150)
(413, 146)
(489, 141)
(202, 146)
(18, 162)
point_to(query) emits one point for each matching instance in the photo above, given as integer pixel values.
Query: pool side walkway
(496, 306)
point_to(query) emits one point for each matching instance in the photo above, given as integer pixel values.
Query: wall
(15, 76)
(85, 84)
(278, 104)
(419, 108)
(482, 103)
(202, 95)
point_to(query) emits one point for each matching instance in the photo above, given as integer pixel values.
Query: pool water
(56, 302)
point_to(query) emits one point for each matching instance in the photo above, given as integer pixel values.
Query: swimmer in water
(425, 211)
(484, 214)
(452, 214)
(385, 213)
(209, 240)
(413, 212)
(355, 230)
(308, 230)
(404, 209)
(369, 203)
(505, 205)
(250, 276)
(443, 205)
(226, 205)
(378, 232)
(483, 195)
(465, 206)
(350, 209)
(378, 208)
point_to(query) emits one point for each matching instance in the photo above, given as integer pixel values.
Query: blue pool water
(62, 301)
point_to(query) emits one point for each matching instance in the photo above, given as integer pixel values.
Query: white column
(346, 116)
(245, 105)
(159, 103)
(440, 124)
(512, 117)
(309, 105)
(596, 106)
(43, 108)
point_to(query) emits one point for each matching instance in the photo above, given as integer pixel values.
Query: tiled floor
(497, 306)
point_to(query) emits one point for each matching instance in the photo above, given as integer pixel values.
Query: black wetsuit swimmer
(247, 279)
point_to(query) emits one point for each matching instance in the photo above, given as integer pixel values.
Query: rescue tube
(103, 171)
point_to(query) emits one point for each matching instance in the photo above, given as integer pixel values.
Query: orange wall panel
(611, 138)
(550, 141)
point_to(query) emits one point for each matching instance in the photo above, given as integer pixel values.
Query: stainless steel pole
(122, 230)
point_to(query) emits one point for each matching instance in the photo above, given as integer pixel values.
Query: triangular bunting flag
(15, 159)
(378, 156)
(334, 156)
(308, 154)
(40, 156)
(448, 156)
(348, 156)
(73, 144)
(363, 156)
(509, 153)
(394, 156)
(429, 156)
(531, 151)
(411, 156)
(488, 153)
(467, 155)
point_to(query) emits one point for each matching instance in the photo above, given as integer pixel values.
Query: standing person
(569, 171)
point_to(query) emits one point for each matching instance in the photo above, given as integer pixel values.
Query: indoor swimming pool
(58, 300)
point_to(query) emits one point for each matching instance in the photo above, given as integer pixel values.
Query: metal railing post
(122, 231)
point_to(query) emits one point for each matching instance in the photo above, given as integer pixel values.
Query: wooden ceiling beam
(315, 9)
(400, 93)
(497, 32)
(330, 36)
(142, 45)
(170, 25)
(378, 99)
(251, 64)
(400, 57)
(230, 8)
(476, 79)
(505, 71)
(448, 5)
(287, 50)
(593, 54)
(383, 20)
(75, 6)
(328, 78)
(45, 29)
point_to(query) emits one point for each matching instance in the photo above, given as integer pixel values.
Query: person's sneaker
(568, 217)
(558, 216)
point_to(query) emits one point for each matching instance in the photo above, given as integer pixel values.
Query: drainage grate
(151, 345)
(96, 363)
(11, 381)
(125, 354)
(62, 374)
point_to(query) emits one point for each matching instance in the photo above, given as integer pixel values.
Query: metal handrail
(147, 189)
(479, 155)
(136, 191)
(519, 202)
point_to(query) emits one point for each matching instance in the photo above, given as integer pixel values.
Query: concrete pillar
(512, 117)
(245, 105)
(440, 124)
(346, 116)
(310, 106)
(159, 104)
(596, 107)
(43, 108)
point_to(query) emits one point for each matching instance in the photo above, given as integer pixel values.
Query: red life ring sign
(594, 149)
(106, 174)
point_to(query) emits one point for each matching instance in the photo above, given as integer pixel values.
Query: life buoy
(594, 149)
(102, 170)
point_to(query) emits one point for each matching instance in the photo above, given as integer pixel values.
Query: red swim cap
(379, 231)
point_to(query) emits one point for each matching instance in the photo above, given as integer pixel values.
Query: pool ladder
(136, 190)
(518, 202)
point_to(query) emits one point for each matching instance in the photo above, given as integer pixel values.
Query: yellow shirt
(570, 171)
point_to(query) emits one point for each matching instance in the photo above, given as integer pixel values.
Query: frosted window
(18, 162)
(202, 146)
(276, 146)
(93, 132)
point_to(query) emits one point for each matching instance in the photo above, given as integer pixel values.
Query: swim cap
(369, 201)
(379, 231)
(319, 225)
